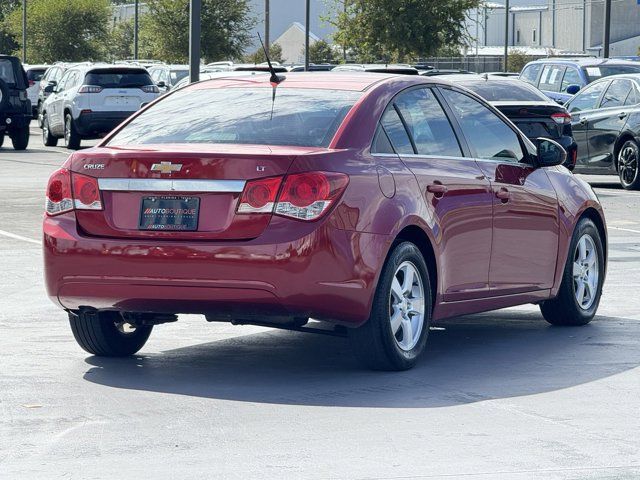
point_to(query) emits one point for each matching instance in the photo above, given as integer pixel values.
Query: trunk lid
(214, 174)
(534, 118)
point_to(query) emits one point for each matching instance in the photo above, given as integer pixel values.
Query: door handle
(622, 115)
(437, 188)
(583, 121)
(503, 194)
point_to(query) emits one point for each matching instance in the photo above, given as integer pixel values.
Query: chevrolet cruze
(374, 203)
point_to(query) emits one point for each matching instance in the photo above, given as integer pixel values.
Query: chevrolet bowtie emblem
(166, 167)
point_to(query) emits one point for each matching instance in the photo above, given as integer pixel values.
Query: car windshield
(35, 74)
(297, 117)
(594, 73)
(6, 71)
(177, 75)
(505, 91)
(118, 78)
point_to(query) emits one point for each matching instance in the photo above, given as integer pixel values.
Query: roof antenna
(275, 79)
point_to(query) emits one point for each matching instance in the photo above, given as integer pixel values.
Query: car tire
(71, 135)
(629, 165)
(582, 279)
(47, 139)
(396, 332)
(39, 114)
(104, 334)
(20, 138)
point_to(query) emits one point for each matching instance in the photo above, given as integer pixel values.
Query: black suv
(15, 107)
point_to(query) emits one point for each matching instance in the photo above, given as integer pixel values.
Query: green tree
(275, 54)
(398, 30)
(322, 52)
(67, 30)
(8, 43)
(226, 29)
(518, 59)
(120, 44)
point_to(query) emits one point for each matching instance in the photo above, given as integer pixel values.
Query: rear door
(453, 187)
(551, 81)
(605, 124)
(525, 207)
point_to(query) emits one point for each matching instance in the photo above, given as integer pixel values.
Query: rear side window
(427, 123)
(551, 78)
(487, 134)
(530, 74)
(6, 71)
(616, 94)
(397, 133)
(118, 78)
(587, 99)
(242, 115)
(633, 97)
(594, 73)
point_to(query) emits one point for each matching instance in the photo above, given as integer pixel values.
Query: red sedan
(377, 203)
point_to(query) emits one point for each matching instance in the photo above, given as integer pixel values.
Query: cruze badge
(166, 167)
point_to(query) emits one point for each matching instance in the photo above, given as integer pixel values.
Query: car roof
(106, 66)
(586, 62)
(353, 81)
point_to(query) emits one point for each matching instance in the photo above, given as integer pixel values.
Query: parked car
(34, 76)
(560, 78)
(376, 68)
(313, 67)
(90, 100)
(166, 77)
(434, 72)
(376, 203)
(535, 114)
(605, 118)
(15, 107)
(51, 77)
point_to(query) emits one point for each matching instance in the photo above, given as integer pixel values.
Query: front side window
(427, 123)
(571, 77)
(633, 98)
(616, 94)
(241, 115)
(530, 73)
(64, 80)
(487, 134)
(586, 99)
(551, 78)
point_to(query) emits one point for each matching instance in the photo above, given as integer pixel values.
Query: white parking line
(19, 237)
(624, 229)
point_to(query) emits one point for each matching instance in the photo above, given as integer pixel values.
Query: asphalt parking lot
(498, 395)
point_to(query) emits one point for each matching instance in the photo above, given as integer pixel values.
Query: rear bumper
(18, 120)
(96, 124)
(325, 273)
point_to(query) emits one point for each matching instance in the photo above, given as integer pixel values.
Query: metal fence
(480, 64)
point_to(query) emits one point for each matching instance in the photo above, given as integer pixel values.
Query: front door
(524, 245)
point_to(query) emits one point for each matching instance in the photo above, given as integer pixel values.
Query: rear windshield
(35, 74)
(594, 73)
(6, 71)
(505, 91)
(297, 117)
(118, 78)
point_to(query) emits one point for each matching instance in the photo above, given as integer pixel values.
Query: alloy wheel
(628, 164)
(585, 272)
(406, 306)
(45, 129)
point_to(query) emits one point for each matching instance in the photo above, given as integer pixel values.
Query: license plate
(169, 213)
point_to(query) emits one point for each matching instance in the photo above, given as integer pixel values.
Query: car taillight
(259, 196)
(150, 89)
(31, 83)
(307, 196)
(86, 193)
(59, 199)
(90, 89)
(561, 118)
(66, 191)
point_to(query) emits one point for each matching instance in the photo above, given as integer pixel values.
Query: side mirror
(573, 89)
(549, 153)
(161, 84)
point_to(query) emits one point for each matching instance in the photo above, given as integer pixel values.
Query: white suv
(90, 100)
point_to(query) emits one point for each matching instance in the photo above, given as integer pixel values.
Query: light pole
(506, 36)
(266, 24)
(24, 31)
(136, 6)
(607, 28)
(195, 8)
(306, 39)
